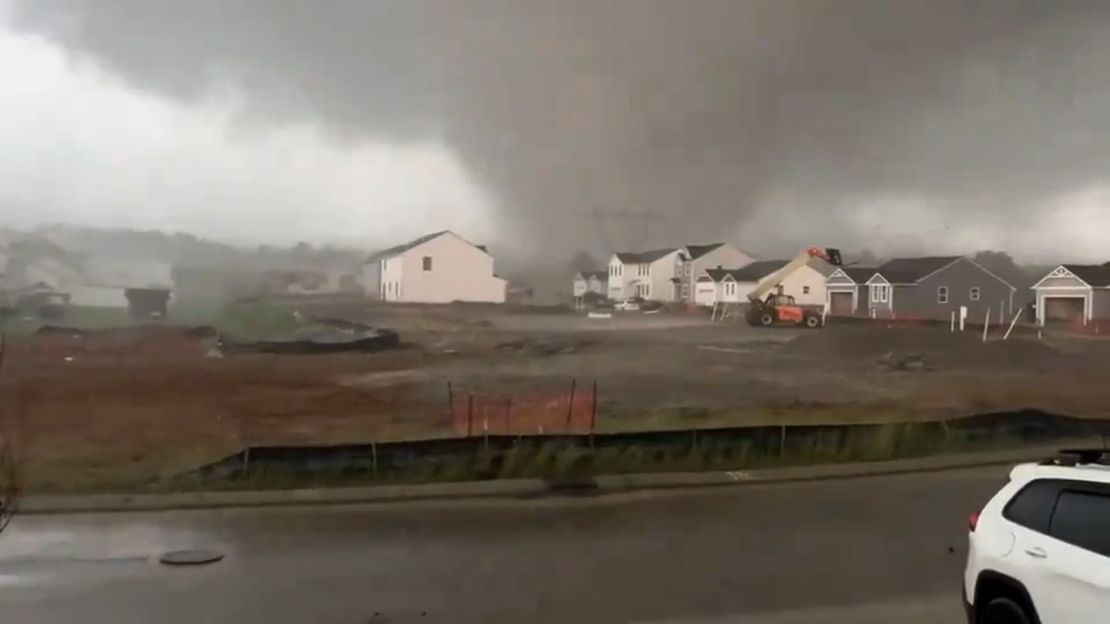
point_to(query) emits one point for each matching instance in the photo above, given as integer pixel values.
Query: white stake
(953, 328)
(1012, 323)
(986, 324)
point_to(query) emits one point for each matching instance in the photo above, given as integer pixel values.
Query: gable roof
(697, 251)
(718, 275)
(913, 270)
(400, 249)
(643, 257)
(1096, 275)
(586, 275)
(859, 275)
(758, 270)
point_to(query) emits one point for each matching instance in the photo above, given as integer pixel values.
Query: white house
(654, 275)
(591, 282)
(699, 258)
(436, 268)
(806, 284)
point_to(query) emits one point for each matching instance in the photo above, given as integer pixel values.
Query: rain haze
(900, 127)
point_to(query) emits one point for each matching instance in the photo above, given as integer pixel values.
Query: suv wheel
(1004, 611)
(766, 319)
(813, 322)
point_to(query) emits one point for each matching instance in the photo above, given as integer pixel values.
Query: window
(805, 290)
(880, 293)
(730, 288)
(942, 294)
(685, 291)
(1081, 519)
(427, 263)
(1032, 506)
(973, 294)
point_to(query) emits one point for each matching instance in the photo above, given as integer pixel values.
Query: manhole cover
(190, 557)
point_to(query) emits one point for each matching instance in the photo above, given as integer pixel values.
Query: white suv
(1039, 552)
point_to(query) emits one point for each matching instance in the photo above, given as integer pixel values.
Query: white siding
(391, 271)
(795, 284)
(580, 287)
(725, 257)
(620, 277)
(663, 272)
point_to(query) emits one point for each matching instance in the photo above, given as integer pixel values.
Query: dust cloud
(864, 122)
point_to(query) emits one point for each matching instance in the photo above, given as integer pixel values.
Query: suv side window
(1032, 506)
(1082, 519)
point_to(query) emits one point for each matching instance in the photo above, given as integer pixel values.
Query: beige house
(654, 275)
(806, 284)
(699, 258)
(436, 268)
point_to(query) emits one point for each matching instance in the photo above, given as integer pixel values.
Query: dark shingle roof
(697, 251)
(642, 257)
(601, 275)
(911, 270)
(719, 274)
(758, 270)
(859, 275)
(393, 251)
(1097, 275)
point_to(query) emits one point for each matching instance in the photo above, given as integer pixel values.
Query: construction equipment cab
(769, 306)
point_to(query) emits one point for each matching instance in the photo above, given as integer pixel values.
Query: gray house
(934, 288)
(846, 290)
(1073, 293)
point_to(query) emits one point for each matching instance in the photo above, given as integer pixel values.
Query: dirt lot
(102, 409)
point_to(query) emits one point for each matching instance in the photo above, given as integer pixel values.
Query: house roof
(697, 251)
(601, 275)
(1096, 275)
(399, 249)
(757, 270)
(912, 270)
(643, 257)
(859, 275)
(719, 274)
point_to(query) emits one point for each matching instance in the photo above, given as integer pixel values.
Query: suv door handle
(1036, 552)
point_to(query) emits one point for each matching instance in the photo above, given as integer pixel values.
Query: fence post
(469, 414)
(451, 403)
(246, 461)
(570, 404)
(986, 324)
(593, 414)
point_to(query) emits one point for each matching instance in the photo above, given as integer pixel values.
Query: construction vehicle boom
(778, 309)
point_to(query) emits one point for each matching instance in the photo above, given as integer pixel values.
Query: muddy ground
(113, 409)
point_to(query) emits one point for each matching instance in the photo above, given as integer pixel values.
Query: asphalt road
(858, 550)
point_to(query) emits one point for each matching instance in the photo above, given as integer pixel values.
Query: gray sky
(900, 126)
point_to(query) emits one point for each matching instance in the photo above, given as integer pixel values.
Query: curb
(514, 488)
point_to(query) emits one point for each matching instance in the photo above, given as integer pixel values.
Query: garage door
(840, 303)
(1063, 309)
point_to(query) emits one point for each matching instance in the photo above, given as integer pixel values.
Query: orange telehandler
(780, 309)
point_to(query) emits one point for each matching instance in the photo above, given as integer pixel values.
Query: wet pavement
(859, 550)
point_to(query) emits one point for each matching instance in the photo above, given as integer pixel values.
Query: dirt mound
(927, 349)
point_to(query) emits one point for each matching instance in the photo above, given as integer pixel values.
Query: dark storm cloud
(697, 110)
